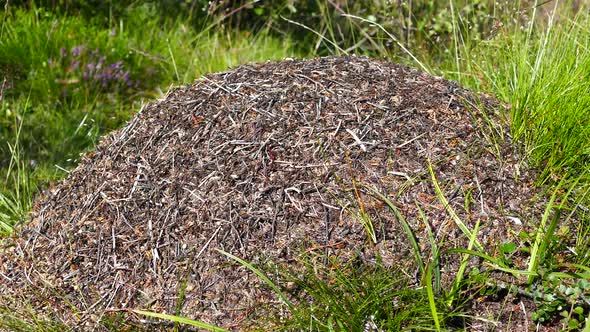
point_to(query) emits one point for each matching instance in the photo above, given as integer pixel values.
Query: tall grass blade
(407, 229)
(462, 267)
(449, 209)
(587, 325)
(181, 320)
(431, 299)
(495, 264)
(435, 262)
(173, 60)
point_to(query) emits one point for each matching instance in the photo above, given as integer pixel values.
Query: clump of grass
(350, 297)
(16, 194)
(542, 71)
(27, 321)
(17, 189)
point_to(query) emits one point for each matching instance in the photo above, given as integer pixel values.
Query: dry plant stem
(392, 37)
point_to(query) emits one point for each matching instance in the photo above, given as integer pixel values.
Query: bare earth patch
(262, 161)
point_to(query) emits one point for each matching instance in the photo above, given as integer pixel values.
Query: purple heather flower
(63, 52)
(117, 65)
(108, 75)
(100, 62)
(77, 50)
(75, 64)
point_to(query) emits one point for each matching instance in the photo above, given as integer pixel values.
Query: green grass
(543, 73)
(27, 321)
(335, 296)
(539, 66)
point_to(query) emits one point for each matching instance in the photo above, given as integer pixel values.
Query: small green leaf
(573, 324)
(508, 248)
(549, 297)
(571, 290)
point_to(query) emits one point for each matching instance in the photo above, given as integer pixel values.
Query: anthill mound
(263, 161)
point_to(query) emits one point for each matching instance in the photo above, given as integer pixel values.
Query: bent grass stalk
(433, 267)
(195, 323)
(392, 37)
(449, 209)
(182, 320)
(321, 36)
(407, 229)
(491, 261)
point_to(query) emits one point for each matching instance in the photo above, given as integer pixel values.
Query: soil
(265, 161)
